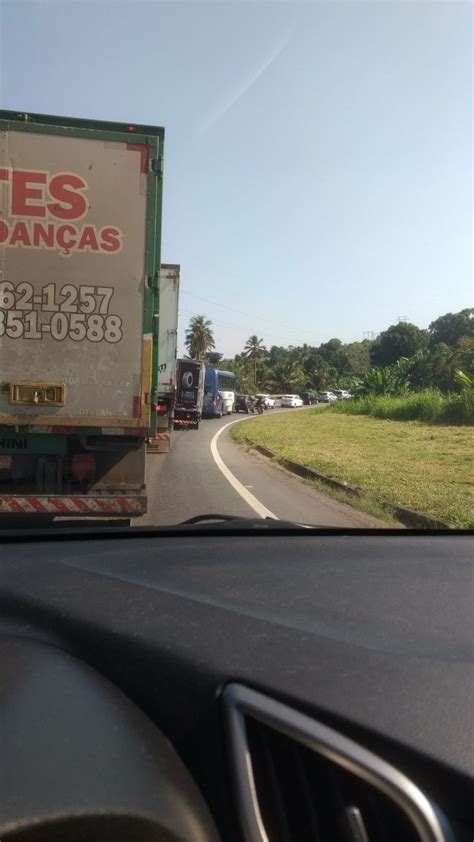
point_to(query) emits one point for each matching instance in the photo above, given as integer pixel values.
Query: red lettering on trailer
(64, 240)
(34, 193)
(44, 233)
(22, 192)
(20, 234)
(111, 239)
(70, 203)
(88, 239)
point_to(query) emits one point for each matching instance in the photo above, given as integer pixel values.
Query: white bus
(219, 392)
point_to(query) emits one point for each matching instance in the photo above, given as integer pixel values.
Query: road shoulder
(286, 495)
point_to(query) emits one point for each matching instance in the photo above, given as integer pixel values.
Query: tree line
(402, 357)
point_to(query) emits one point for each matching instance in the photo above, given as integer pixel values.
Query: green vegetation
(466, 384)
(253, 352)
(400, 340)
(403, 359)
(425, 468)
(365, 503)
(429, 406)
(199, 337)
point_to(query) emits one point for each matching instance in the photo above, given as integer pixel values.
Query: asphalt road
(188, 482)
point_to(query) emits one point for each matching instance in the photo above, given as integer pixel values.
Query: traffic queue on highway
(251, 403)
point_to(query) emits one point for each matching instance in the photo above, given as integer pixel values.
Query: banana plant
(387, 380)
(463, 380)
(466, 383)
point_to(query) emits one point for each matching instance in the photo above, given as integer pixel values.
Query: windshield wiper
(235, 521)
(210, 518)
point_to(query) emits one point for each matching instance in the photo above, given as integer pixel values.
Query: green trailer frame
(152, 138)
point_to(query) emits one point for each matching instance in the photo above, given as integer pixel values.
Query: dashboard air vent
(298, 780)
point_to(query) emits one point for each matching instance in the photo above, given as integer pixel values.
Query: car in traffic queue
(268, 401)
(243, 403)
(342, 394)
(291, 400)
(327, 397)
(308, 398)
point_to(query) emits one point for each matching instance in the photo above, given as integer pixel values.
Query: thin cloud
(246, 83)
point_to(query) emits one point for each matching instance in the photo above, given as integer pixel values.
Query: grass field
(429, 469)
(429, 406)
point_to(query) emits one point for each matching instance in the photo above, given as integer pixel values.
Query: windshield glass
(241, 249)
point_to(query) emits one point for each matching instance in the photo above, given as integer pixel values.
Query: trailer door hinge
(153, 281)
(156, 165)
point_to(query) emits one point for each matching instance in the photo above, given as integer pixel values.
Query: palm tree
(199, 337)
(254, 351)
(286, 374)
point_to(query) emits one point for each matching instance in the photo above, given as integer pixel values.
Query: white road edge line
(246, 495)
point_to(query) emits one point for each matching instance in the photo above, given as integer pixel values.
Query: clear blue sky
(318, 176)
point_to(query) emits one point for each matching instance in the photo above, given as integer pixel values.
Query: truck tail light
(161, 408)
(82, 466)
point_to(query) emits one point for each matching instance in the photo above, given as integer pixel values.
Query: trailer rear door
(72, 278)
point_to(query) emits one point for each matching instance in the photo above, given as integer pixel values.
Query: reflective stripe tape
(15, 505)
(126, 504)
(80, 504)
(38, 505)
(61, 505)
(72, 504)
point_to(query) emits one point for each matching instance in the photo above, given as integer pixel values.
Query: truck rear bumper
(74, 505)
(160, 443)
(192, 424)
(186, 419)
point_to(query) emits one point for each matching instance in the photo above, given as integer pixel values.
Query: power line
(236, 327)
(234, 309)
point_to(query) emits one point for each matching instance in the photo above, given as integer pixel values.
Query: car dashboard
(237, 685)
